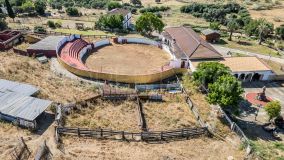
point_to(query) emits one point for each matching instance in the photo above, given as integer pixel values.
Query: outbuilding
(210, 35)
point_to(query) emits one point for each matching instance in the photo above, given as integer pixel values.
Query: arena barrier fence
(142, 78)
(137, 40)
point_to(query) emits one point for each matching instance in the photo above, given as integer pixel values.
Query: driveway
(225, 50)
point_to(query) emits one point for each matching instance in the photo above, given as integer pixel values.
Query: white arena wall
(138, 40)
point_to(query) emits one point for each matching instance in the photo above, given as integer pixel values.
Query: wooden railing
(134, 136)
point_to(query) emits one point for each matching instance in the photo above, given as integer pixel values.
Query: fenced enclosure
(146, 87)
(185, 133)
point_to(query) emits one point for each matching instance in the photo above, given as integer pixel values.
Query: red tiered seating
(71, 51)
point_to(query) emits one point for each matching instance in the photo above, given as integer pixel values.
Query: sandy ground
(201, 148)
(270, 15)
(128, 59)
(107, 115)
(29, 70)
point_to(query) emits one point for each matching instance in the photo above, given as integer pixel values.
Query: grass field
(29, 70)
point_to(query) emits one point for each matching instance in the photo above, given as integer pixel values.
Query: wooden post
(102, 133)
(162, 138)
(182, 132)
(123, 136)
(78, 132)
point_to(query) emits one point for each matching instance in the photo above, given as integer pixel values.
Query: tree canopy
(264, 29)
(110, 22)
(209, 72)
(215, 25)
(273, 109)
(40, 7)
(72, 11)
(10, 11)
(149, 22)
(226, 91)
(113, 4)
(232, 26)
(280, 31)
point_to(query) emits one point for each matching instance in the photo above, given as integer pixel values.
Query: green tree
(215, 25)
(149, 22)
(28, 6)
(264, 29)
(226, 91)
(280, 31)
(232, 26)
(51, 24)
(136, 2)
(110, 22)
(251, 28)
(40, 7)
(72, 11)
(209, 72)
(112, 5)
(273, 109)
(10, 11)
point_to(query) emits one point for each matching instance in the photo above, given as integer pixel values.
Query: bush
(155, 9)
(40, 7)
(216, 12)
(3, 24)
(280, 31)
(39, 29)
(112, 5)
(71, 11)
(51, 24)
(58, 24)
(273, 109)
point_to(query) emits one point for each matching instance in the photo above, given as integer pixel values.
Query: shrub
(155, 9)
(39, 29)
(58, 24)
(72, 11)
(40, 7)
(3, 24)
(273, 109)
(112, 5)
(280, 31)
(51, 24)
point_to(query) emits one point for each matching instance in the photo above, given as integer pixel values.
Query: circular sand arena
(128, 59)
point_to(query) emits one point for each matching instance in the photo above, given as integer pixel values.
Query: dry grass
(29, 70)
(128, 59)
(110, 115)
(168, 115)
(276, 67)
(198, 149)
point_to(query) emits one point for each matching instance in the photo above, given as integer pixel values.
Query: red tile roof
(191, 44)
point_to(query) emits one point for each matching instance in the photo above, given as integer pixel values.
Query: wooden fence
(43, 152)
(186, 133)
(21, 151)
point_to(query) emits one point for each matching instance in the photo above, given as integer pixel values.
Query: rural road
(225, 50)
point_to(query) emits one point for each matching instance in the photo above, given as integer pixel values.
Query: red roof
(190, 44)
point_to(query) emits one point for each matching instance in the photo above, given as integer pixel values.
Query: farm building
(17, 105)
(188, 49)
(210, 35)
(9, 38)
(46, 46)
(126, 15)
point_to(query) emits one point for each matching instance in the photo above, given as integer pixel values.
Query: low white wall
(101, 43)
(66, 39)
(139, 40)
(175, 63)
(84, 51)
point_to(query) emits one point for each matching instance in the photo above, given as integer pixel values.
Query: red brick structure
(9, 38)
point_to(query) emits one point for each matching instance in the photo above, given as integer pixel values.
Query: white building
(188, 49)
(125, 13)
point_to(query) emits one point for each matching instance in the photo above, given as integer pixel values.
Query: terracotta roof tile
(191, 44)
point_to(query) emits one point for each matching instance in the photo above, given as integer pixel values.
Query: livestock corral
(106, 120)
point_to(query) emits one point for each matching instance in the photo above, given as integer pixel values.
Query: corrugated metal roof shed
(17, 87)
(21, 106)
(48, 43)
